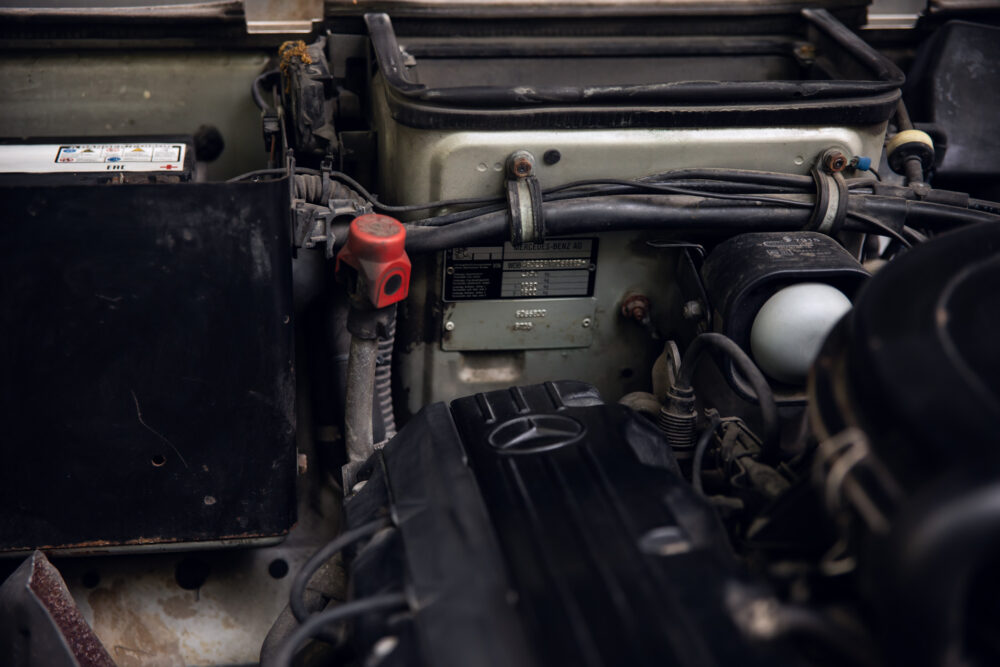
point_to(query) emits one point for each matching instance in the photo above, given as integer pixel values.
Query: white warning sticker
(69, 158)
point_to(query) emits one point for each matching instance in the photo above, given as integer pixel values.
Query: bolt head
(635, 306)
(835, 161)
(521, 164)
(449, 326)
(586, 322)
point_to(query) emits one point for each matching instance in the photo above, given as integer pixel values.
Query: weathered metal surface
(140, 611)
(617, 360)
(282, 16)
(129, 93)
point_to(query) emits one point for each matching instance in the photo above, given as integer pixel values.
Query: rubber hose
(383, 382)
(359, 405)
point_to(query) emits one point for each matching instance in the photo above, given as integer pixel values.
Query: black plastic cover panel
(539, 526)
(146, 387)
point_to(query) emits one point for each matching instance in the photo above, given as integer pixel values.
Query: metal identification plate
(518, 324)
(556, 268)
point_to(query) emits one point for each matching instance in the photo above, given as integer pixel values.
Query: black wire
(258, 96)
(765, 396)
(669, 189)
(875, 174)
(699, 454)
(884, 230)
(271, 172)
(296, 598)
(312, 627)
(552, 194)
(344, 178)
(642, 184)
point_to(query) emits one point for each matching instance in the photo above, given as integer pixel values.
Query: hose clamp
(831, 202)
(524, 200)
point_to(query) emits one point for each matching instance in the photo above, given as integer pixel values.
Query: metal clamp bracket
(831, 201)
(524, 198)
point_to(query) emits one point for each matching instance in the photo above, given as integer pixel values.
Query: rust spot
(291, 50)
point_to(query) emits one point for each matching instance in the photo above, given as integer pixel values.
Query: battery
(147, 389)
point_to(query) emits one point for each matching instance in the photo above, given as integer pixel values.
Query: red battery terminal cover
(375, 251)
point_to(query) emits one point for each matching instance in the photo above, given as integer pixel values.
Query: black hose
(991, 207)
(699, 455)
(902, 116)
(746, 366)
(315, 189)
(315, 624)
(302, 577)
(774, 178)
(258, 95)
(618, 212)
(919, 214)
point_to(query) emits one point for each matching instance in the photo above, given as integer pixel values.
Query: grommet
(907, 144)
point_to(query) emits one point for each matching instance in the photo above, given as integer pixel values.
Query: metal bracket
(524, 198)
(312, 226)
(269, 17)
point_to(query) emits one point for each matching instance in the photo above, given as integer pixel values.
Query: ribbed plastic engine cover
(540, 526)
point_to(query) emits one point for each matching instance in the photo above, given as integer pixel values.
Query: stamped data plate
(555, 268)
(523, 324)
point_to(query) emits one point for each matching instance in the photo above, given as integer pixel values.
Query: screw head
(586, 322)
(449, 326)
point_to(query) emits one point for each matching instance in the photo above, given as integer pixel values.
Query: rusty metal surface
(145, 617)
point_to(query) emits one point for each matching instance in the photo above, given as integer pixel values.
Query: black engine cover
(539, 526)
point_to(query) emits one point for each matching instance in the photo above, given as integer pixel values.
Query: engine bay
(503, 333)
